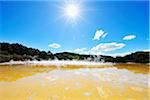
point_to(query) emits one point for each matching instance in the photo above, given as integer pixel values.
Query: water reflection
(10, 73)
(14, 72)
(26, 82)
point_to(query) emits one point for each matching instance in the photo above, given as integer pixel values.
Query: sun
(72, 10)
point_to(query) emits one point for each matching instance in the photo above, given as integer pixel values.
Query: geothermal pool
(74, 81)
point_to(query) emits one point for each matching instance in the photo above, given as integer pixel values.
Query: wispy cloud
(104, 47)
(54, 45)
(99, 34)
(146, 50)
(118, 54)
(129, 37)
(100, 49)
(79, 50)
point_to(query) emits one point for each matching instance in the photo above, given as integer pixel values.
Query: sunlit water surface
(70, 82)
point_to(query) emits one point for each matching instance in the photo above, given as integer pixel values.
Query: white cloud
(99, 34)
(54, 45)
(104, 35)
(129, 37)
(101, 48)
(118, 54)
(146, 50)
(79, 50)
(104, 47)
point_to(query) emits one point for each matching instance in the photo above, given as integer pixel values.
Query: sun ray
(71, 11)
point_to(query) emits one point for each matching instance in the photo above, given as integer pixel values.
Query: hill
(17, 52)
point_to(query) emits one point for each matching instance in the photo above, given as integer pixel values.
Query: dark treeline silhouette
(18, 52)
(138, 57)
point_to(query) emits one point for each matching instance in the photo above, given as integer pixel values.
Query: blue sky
(118, 26)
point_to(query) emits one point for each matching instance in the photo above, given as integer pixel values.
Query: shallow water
(70, 82)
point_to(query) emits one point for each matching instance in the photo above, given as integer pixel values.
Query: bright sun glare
(72, 10)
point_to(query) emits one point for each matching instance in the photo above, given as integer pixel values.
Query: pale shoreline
(63, 62)
(58, 63)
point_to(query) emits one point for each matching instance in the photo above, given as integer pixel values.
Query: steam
(95, 60)
(58, 63)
